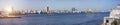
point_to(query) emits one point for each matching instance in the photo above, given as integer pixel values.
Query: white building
(114, 14)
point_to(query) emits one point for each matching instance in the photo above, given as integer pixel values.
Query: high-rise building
(73, 9)
(47, 8)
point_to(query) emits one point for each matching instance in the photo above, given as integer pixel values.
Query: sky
(103, 5)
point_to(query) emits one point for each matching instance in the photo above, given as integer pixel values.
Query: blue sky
(104, 5)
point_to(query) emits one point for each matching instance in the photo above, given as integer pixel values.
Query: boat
(114, 18)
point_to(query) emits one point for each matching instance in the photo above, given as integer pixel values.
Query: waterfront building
(47, 8)
(89, 11)
(74, 10)
(10, 12)
(114, 18)
(47, 11)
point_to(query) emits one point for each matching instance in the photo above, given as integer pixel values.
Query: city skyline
(104, 5)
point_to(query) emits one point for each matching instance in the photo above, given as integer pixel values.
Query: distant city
(50, 11)
(59, 12)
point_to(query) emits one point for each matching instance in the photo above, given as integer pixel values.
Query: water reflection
(12, 21)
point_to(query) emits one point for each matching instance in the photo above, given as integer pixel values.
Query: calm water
(56, 19)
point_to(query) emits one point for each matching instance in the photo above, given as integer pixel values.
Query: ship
(114, 18)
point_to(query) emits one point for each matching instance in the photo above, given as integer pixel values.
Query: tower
(47, 8)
